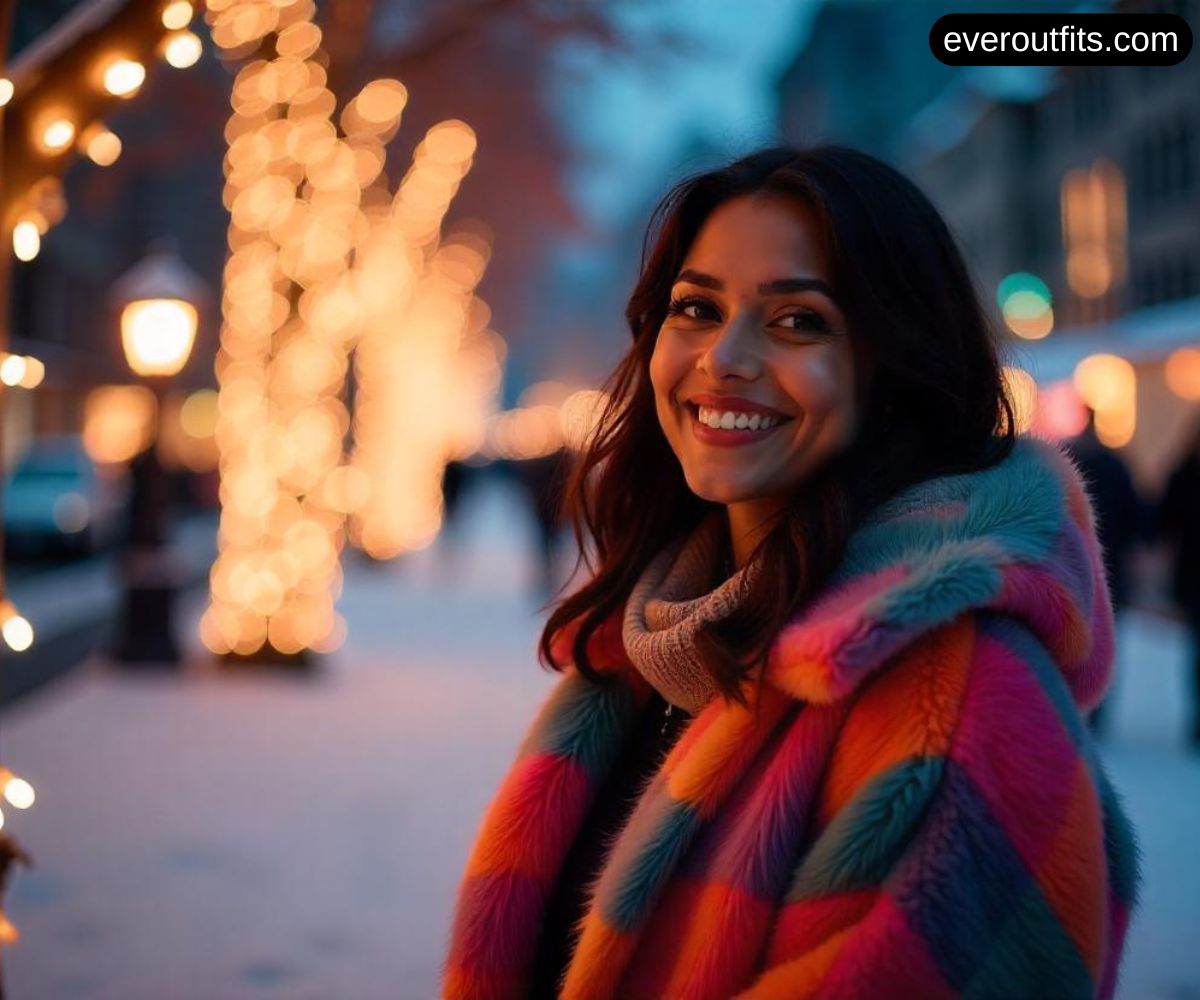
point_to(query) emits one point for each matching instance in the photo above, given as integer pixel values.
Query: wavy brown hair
(935, 402)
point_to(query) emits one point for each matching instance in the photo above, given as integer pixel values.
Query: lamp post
(159, 300)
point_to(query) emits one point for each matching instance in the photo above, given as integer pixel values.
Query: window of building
(1091, 98)
(1163, 163)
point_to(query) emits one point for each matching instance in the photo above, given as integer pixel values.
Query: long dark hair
(936, 404)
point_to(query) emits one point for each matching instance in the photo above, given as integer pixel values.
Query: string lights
(331, 272)
(22, 370)
(100, 145)
(14, 627)
(124, 77)
(54, 131)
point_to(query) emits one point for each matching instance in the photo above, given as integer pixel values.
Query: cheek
(822, 383)
(666, 370)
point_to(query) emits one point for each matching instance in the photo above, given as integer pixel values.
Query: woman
(819, 730)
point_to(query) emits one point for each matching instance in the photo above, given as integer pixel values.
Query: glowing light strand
(324, 260)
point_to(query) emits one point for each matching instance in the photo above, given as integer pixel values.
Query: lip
(726, 439)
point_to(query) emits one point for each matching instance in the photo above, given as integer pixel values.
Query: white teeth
(729, 420)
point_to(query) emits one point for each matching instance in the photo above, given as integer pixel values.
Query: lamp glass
(157, 335)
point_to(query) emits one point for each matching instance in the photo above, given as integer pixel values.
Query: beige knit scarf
(669, 604)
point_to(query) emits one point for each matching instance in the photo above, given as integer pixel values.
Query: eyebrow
(780, 286)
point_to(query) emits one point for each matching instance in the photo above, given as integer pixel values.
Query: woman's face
(753, 329)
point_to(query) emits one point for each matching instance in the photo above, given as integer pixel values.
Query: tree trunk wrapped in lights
(325, 260)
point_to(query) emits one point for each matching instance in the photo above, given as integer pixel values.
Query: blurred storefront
(1075, 195)
(1083, 185)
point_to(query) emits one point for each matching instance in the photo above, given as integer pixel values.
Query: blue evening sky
(631, 120)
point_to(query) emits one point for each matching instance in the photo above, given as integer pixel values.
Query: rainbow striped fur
(912, 808)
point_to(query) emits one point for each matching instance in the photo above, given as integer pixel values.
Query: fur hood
(1017, 538)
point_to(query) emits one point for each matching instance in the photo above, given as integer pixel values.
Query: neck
(749, 522)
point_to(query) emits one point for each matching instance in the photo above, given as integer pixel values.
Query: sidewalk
(255, 834)
(258, 834)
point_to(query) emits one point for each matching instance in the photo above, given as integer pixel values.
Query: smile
(754, 429)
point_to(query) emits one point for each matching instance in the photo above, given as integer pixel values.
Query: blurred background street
(307, 310)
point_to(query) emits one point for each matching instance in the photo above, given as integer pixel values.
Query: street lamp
(157, 335)
(159, 300)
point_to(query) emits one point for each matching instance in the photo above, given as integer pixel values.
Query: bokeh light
(118, 422)
(15, 629)
(124, 77)
(26, 240)
(1060, 411)
(17, 791)
(12, 369)
(182, 49)
(57, 134)
(1093, 209)
(22, 370)
(1025, 304)
(100, 145)
(1108, 384)
(177, 14)
(1182, 372)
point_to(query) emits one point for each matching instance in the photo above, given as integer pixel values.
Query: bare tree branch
(448, 25)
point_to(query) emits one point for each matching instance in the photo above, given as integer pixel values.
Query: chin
(721, 489)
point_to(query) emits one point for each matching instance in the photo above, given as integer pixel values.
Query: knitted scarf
(671, 602)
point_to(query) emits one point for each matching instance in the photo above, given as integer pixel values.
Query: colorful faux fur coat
(913, 808)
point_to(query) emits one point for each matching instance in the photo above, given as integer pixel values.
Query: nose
(733, 351)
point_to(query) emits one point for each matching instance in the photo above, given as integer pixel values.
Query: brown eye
(806, 320)
(680, 307)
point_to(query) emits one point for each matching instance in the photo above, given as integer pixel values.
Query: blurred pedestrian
(1178, 522)
(454, 478)
(1121, 518)
(542, 478)
(819, 728)
(456, 475)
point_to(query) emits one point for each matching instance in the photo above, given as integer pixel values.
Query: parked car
(57, 497)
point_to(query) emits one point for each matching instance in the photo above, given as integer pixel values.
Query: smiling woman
(820, 730)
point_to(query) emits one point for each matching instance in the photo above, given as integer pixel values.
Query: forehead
(758, 238)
